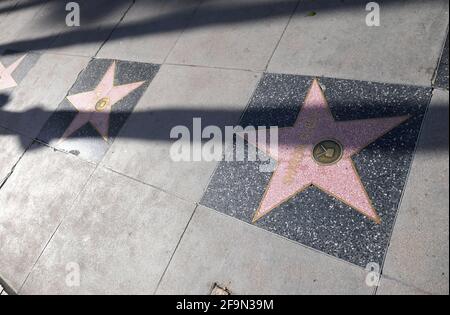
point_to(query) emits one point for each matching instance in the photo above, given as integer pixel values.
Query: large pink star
(94, 107)
(298, 169)
(6, 79)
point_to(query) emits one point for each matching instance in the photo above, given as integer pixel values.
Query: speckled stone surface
(9, 57)
(313, 217)
(442, 71)
(87, 142)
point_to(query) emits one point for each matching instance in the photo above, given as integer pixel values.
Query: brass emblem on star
(102, 104)
(327, 152)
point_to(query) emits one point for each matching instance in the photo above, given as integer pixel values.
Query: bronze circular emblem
(101, 104)
(327, 152)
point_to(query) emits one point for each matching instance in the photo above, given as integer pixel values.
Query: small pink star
(298, 168)
(6, 79)
(94, 107)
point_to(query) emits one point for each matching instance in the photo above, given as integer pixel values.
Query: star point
(6, 79)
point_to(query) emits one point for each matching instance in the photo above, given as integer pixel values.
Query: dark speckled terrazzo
(442, 71)
(86, 141)
(313, 217)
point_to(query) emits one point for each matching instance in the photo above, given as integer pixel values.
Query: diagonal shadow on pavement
(210, 15)
(164, 120)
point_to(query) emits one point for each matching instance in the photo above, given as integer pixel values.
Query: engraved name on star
(317, 151)
(6, 79)
(95, 106)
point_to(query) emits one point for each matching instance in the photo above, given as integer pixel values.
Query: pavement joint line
(59, 53)
(148, 184)
(60, 223)
(387, 277)
(213, 67)
(5, 180)
(238, 121)
(50, 52)
(441, 89)
(63, 152)
(55, 38)
(285, 239)
(396, 83)
(282, 34)
(175, 250)
(263, 72)
(5, 289)
(374, 290)
(425, 115)
(189, 21)
(133, 2)
(441, 55)
(76, 79)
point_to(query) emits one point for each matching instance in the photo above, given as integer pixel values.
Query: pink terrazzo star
(297, 168)
(6, 79)
(95, 106)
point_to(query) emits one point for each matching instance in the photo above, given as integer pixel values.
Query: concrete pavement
(91, 201)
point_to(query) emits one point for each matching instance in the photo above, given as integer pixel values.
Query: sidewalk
(91, 201)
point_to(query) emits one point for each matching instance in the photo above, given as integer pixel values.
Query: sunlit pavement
(92, 201)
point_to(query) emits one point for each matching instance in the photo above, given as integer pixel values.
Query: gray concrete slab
(32, 26)
(233, 34)
(149, 31)
(33, 101)
(393, 287)
(98, 20)
(249, 260)
(13, 21)
(120, 233)
(6, 7)
(176, 96)
(12, 148)
(41, 26)
(419, 252)
(34, 200)
(331, 38)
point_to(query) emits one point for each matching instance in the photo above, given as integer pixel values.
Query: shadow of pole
(156, 125)
(212, 13)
